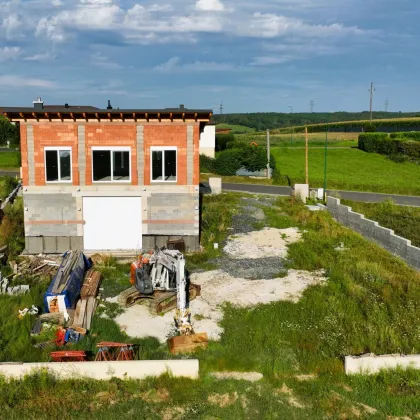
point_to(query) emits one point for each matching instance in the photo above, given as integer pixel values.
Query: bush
(410, 148)
(222, 140)
(368, 141)
(410, 135)
(254, 158)
(398, 158)
(7, 185)
(206, 164)
(369, 128)
(12, 230)
(228, 162)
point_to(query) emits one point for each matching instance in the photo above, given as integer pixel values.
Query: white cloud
(39, 57)
(174, 65)
(11, 25)
(210, 5)
(17, 81)
(99, 60)
(57, 3)
(9, 53)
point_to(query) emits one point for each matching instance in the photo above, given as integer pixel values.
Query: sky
(254, 56)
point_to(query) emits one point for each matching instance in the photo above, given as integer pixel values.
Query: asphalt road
(366, 197)
(9, 173)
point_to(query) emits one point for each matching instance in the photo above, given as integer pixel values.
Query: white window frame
(113, 149)
(58, 149)
(162, 149)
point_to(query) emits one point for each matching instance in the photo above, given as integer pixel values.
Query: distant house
(109, 180)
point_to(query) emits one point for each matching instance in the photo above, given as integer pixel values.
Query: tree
(8, 132)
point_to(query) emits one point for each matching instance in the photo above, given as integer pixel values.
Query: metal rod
(325, 162)
(268, 155)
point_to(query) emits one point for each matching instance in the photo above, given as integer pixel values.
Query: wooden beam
(134, 117)
(171, 116)
(122, 116)
(22, 116)
(147, 116)
(48, 116)
(210, 115)
(72, 116)
(195, 117)
(159, 117)
(183, 116)
(85, 117)
(35, 116)
(109, 116)
(60, 116)
(97, 116)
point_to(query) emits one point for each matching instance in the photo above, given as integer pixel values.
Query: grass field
(369, 304)
(237, 128)
(9, 160)
(350, 169)
(405, 221)
(314, 139)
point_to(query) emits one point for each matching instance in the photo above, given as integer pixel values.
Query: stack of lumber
(34, 267)
(66, 268)
(86, 306)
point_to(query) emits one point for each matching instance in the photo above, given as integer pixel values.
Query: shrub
(368, 142)
(410, 148)
(398, 158)
(369, 128)
(7, 185)
(222, 140)
(228, 162)
(410, 135)
(206, 164)
(12, 231)
(254, 158)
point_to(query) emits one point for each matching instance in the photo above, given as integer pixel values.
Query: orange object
(68, 356)
(134, 266)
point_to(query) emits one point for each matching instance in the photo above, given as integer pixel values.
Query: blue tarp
(71, 292)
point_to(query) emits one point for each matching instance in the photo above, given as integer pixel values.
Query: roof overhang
(25, 114)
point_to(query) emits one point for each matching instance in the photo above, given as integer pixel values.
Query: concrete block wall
(372, 230)
(371, 364)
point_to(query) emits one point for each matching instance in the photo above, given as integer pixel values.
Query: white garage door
(112, 223)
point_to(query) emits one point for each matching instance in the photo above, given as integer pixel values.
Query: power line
(311, 106)
(221, 107)
(386, 105)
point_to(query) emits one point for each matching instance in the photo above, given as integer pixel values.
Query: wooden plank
(80, 319)
(188, 343)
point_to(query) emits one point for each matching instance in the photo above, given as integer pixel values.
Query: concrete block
(76, 243)
(161, 241)
(333, 202)
(137, 369)
(34, 245)
(301, 191)
(50, 244)
(149, 242)
(63, 243)
(215, 185)
(373, 364)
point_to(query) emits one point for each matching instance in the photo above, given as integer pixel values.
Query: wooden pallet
(83, 315)
(91, 284)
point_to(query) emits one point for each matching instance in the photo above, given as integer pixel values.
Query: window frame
(163, 149)
(112, 149)
(58, 149)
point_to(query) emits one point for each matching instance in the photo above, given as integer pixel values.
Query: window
(163, 164)
(58, 164)
(111, 164)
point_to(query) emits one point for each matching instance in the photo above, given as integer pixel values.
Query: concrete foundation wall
(54, 215)
(372, 230)
(369, 364)
(139, 369)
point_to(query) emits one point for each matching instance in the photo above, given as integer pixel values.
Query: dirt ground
(219, 287)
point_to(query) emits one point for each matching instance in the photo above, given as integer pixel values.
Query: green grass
(369, 304)
(9, 160)
(236, 129)
(350, 169)
(405, 221)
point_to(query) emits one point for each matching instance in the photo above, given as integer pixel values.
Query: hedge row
(228, 162)
(397, 123)
(389, 145)
(408, 135)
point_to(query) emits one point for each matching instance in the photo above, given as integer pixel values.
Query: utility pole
(291, 125)
(311, 106)
(371, 90)
(221, 107)
(386, 105)
(325, 162)
(268, 155)
(306, 155)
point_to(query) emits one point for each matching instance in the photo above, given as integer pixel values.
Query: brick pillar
(31, 157)
(140, 154)
(82, 154)
(190, 154)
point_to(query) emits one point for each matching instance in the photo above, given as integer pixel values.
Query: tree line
(272, 120)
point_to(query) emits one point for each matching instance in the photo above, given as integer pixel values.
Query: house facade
(109, 180)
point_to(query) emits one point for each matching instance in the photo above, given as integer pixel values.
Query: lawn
(9, 160)
(405, 221)
(350, 169)
(369, 304)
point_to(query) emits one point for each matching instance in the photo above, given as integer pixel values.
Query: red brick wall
(111, 135)
(54, 135)
(196, 166)
(24, 155)
(166, 135)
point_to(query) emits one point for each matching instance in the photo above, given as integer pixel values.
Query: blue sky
(254, 55)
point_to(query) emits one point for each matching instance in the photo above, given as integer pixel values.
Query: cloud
(174, 65)
(57, 3)
(9, 53)
(210, 5)
(18, 81)
(99, 60)
(38, 57)
(11, 25)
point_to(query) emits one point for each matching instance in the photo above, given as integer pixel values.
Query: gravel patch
(252, 269)
(240, 376)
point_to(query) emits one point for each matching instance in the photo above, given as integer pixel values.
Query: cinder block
(161, 241)
(63, 244)
(50, 244)
(34, 245)
(301, 191)
(215, 185)
(76, 243)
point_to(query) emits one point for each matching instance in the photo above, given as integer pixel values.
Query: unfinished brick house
(109, 179)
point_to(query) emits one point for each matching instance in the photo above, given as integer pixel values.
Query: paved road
(9, 173)
(366, 197)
